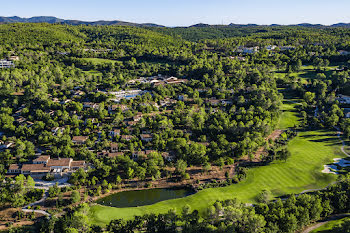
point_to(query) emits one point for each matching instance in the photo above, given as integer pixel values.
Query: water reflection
(143, 197)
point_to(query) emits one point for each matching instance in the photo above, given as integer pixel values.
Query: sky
(186, 12)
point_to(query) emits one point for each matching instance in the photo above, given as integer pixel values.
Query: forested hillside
(92, 110)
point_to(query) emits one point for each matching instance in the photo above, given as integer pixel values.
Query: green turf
(289, 116)
(310, 151)
(327, 228)
(93, 72)
(306, 72)
(99, 60)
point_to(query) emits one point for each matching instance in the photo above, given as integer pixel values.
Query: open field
(310, 151)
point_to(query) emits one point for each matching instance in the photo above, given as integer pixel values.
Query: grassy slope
(310, 151)
(327, 228)
(306, 72)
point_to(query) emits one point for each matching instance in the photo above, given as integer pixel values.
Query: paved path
(342, 141)
(317, 225)
(45, 185)
(25, 208)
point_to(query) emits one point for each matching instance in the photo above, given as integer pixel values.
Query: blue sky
(186, 12)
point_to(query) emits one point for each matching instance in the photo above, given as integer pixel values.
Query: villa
(43, 165)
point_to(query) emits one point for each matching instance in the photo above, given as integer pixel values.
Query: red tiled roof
(35, 168)
(42, 158)
(80, 138)
(116, 154)
(64, 162)
(14, 167)
(79, 163)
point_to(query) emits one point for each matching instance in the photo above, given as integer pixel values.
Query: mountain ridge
(52, 19)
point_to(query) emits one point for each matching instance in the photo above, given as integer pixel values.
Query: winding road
(45, 185)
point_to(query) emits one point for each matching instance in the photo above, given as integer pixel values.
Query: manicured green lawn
(327, 228)
(310, 151)
(306, 72)
(99, 60)
(93, 72)
(289, 116)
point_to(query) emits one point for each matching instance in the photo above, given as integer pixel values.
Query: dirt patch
(261, 152)
(9, 216)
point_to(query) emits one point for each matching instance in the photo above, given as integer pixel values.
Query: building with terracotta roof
(75, 165)
(80, 140)
(43, 159)
(44, 164)
(114, 147)
(35, 169)
(14, 169)
(146, 137)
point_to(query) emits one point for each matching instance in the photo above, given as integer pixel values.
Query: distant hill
(51, 19)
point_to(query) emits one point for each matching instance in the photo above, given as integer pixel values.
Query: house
(35, 169)
(347, 112)
(343, 99)
(44, 165)
(127, 137)
(75, 165)
(115, 132)
(14, 169)
(14, 58)
(6, 145)
(138, 117)
(271, 47)
(43, 159)
(168, 156)
(174, 80)
(146, 137)
(344, 53)
(114, 147)
(65, 101)
(78, 93)
(150, 151)
(239, 58)
(57, 130)
(90, 105)
(80, 140)
(129, 94)
(226, 102)
(248, 50)
(115, 154)
(137, 154)
(283, 48)
(59, 165)
(182, 97)
(214, 101)
(131, 123)
(6, 64)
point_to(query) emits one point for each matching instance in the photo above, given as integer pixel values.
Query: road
(45, 185)
(25, 208)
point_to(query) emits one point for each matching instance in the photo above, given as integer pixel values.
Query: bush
(264, 196)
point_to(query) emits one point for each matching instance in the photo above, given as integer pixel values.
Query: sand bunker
(333, 169)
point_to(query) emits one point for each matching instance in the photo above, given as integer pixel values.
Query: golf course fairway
(302, 171)
(310, 150)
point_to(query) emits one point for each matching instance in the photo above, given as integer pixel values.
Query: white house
(6, 64)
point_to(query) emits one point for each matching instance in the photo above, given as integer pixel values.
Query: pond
(143, 197)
